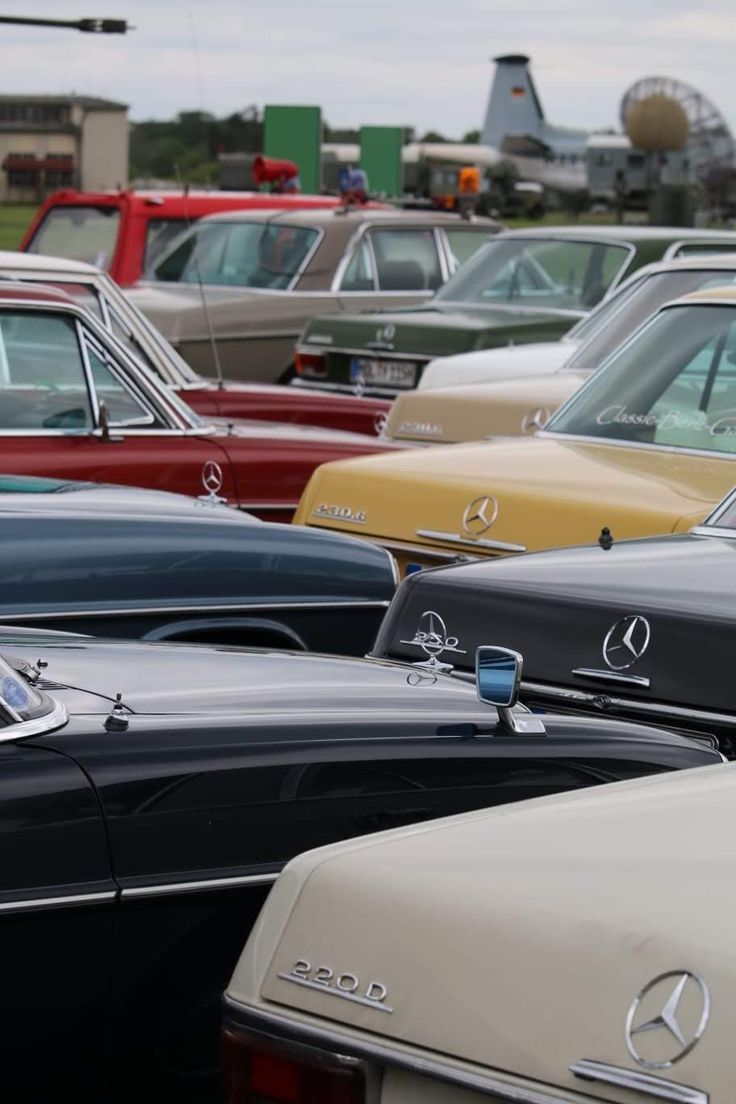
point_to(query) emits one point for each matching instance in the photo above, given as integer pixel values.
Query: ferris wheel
(710, 143)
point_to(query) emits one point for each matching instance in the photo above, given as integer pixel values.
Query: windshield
(616, 320)
(673, 384)
(240, 254)
(529, 272)
(81, 233)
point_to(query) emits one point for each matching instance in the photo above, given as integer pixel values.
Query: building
(50, 142)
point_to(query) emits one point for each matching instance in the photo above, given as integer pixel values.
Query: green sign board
(295, 134)
(380, 158)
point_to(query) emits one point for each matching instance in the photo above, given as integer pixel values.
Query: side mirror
(103, 419)
(497, 680)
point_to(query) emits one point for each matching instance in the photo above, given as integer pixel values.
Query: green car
(520, 286)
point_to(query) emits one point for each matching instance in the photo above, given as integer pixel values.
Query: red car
(75, 404)
(123, 232)
(96, 291)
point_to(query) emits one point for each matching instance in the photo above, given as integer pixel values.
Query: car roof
(725, 294)
(349, 215)
(39, 262)
(624, 233)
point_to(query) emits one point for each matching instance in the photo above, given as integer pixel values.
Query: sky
(421, 63)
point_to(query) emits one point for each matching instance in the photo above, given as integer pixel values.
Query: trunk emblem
(626, 642)
(479, 515)
(673, 989)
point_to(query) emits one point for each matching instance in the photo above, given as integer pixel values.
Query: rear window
(80, 233)
(239, 254)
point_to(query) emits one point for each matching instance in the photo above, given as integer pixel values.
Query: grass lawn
(13, 223)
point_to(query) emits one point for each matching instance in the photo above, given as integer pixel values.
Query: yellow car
(646, 446)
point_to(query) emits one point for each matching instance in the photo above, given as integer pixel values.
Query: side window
(42, 379)
(406, 260)
(123, 406)
(359, 274)
(463, 244)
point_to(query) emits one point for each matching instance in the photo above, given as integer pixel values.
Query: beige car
(571, 949)
(251, 280)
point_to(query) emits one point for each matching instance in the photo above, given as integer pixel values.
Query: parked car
(77, 405)
(123, 562)
(124, 231)
(634, 615)
(526, 384)
(523, 286)
(566, 949)
(645, 447)
(265, 275)
(142, 833)
(228, 399)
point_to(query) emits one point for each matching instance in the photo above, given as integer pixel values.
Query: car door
(55, 376)
(57, 901)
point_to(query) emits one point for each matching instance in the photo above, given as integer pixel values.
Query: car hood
(438, 330)
(196, 679)
(517, 938)
(506, 408)
(486, 365)
(550, 490)
(681, 584)
(65, 498)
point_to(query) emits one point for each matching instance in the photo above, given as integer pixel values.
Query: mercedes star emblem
(479, 515)
(212, 481)
(380, 421)
(626, 641)
(667, 1019)
(431, 636)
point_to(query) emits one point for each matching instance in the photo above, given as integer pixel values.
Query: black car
(150, 794)
(643, 629)
(126, 562)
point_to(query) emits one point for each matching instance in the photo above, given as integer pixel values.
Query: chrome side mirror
(497, 680)
(103, 424)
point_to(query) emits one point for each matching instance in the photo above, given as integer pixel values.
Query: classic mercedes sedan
(564, 950)
(76, 404)
(647, 446)
(522, 286)
(635, 615)
(515, 391)
(124, 562)
(207, 395)
(151, 793)
(253, 280)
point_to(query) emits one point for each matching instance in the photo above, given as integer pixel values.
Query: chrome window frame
(88, 343)
(672, 251)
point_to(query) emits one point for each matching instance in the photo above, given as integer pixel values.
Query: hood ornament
(212, 480)
(117, 718)
(431, 636)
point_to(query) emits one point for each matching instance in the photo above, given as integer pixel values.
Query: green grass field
(13, 223)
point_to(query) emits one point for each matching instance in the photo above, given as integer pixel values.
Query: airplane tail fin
(514, 106)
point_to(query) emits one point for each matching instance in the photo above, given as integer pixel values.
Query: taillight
(255, 1073)
(312, 365)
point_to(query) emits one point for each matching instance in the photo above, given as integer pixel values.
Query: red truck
(124, 231)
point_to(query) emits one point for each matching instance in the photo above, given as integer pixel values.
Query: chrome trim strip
(588, 1070)
(707, 530)
(372, 391)
(619, 442)
(251, 507)
(723, 507)
(50, 721)
(481, 542)
(423, 550)
(589, 698)
(611, 676)
(328, 992)
(382, 603)
(41, 903)
(168, 890)
(299, 1031)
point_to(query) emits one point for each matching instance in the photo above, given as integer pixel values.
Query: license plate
(388, 373)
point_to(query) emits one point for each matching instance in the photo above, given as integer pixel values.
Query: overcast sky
(417, 62)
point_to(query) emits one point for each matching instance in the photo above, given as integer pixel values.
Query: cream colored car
(515, 391)
(565, 950)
